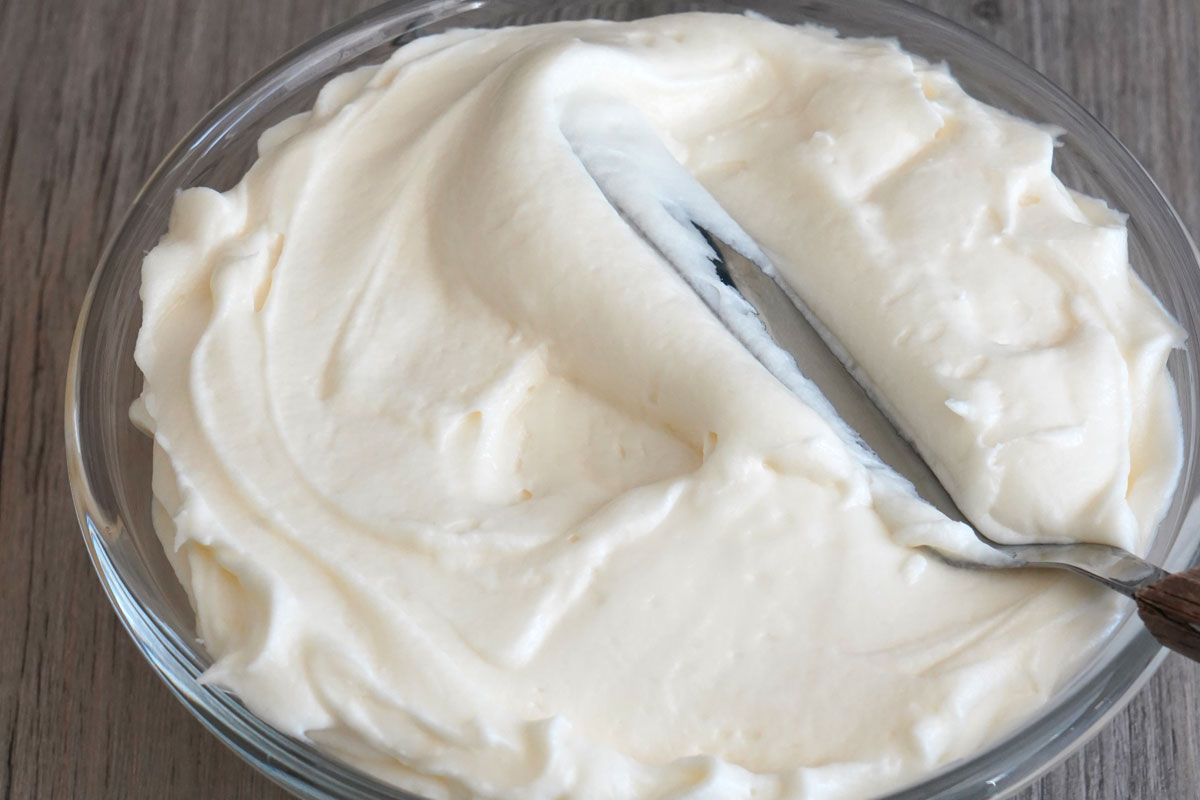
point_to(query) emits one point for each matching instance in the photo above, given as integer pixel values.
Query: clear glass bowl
(109, 460)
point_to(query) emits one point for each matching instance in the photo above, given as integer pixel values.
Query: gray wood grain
(94, 92)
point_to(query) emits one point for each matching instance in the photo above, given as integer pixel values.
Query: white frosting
(469, 488)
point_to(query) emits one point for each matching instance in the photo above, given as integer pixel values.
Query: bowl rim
(306, 771)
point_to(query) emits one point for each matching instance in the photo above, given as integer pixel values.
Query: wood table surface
(92, 95)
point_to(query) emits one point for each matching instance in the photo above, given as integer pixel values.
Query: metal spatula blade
(788, 323)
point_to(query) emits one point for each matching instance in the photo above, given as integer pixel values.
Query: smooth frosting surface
(467, 487)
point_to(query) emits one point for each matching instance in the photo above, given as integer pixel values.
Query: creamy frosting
(467, 487)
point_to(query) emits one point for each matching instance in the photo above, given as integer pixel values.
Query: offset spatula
(736, 280)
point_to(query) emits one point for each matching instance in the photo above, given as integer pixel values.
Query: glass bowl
(109, 460)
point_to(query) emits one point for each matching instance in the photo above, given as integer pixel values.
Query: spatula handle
(1170, 608)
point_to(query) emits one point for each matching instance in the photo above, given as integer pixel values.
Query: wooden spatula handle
(1170, 607)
